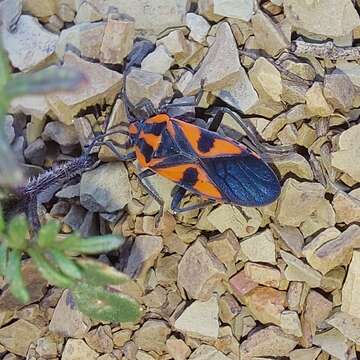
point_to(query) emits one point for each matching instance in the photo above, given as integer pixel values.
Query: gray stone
(239, 9)
(106, 188)
(75, 217)
(35, 153)
(64, 135)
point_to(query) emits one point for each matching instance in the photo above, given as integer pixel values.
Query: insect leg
(152, 192)
(178, 195)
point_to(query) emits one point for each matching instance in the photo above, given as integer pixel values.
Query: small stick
(326, 50)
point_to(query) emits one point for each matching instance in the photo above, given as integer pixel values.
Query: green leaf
(101, 304)
(2, 221)
(48, 271)
(14, 277)
(52, 79)
(92, 245)
(47, 234)
(97, 273)
(3, 259)
(66, 265)
(4, 68)
(16, 233)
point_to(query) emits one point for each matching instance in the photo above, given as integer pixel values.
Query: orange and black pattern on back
(191, 177)
(206, 143)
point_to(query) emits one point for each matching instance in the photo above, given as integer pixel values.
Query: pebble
(229, 308)
(266, 304)
(145, 250)
(67, 320)
(198, 26)
(35, 153)
(346, 207)
(152, 336)
(100, 339)
(199, 272)
(76, 349)
(291, 236)
(264, 251)
(321, 17)
(268, 35)
(219, 66)
(64, 135)
(263, 274)
(295, 164)
(294, 192)
(266, 79)
(142, 84)
(241, 284)
(270, 341)
(30, 46)
(102, 86)
(159, 61)
(113, 48)
(18, 336)
(177, 348)
(290, 323)
(349, 149)
(351, 289)
(47, 347)
(121, 337)
(106, 188)
(242, 9)
(200, 320)
(242, 222)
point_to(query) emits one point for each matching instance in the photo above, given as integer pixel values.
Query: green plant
(57, 261)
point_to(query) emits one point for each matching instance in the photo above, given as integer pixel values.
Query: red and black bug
(198, 160)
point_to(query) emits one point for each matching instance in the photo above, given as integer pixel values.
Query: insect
(198, 160)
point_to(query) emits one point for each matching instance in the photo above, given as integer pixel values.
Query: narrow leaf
(97, 273)
(92, 245)
(48, 271)
(101, 304)
(16, 233)
(2, 221)
(47, 234)
(4, 68)
(3, 259)
(14, 277)
(52, 79)
(66, 265)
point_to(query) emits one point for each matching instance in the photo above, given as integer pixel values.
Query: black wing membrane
(243, 179)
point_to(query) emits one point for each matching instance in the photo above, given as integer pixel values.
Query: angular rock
(152, 336)
(296, 164)
(141, 84)
(34, 105)
(143, 254)
(10, 12)
(266, 79)
(64, 135)
(205, 352)
(159, 61)
(322, 17)
(339, 91)
(118, 39)
(268, 35)
(198, 26)
(316, 102)
(305, 354)
(242, 222)
(347, 207)
(317, 309)
(332, 248)
(241, 94)
(290, 323)
(176, 44)
(296, 295)
(121, 337)
(242, 9)
(84, 131)
(47, 347)
(302, 69)
(167, 269)
(225, 246)
(206, 9)
(76, 349)
(348, 325)
(86, 38)
(177, 348)
(229, 308)
(35, 153)
(260, 247)
(106, 188)
(291, 236)
(263, 274)
(200, 319)
(102, 86)
(18, 336)
(299, 271)
(351, 289)
(199, 272)
(242, 284)
(67, 320)
(213, 71)
(266, 304)
(100, 339)
(334, 343)
(270, 341)
(30, 46)
(294, 193)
